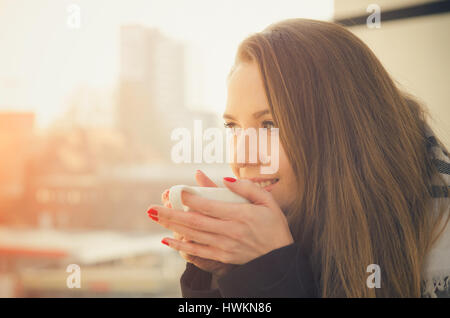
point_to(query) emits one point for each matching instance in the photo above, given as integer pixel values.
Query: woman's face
(247, 107)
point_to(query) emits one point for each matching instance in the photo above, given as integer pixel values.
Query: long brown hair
(357, 144)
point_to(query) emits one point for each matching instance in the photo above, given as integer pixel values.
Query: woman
(361, 180)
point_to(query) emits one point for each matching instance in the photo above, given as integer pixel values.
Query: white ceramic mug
(212, 193)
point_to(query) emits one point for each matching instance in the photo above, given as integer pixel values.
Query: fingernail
(154, 218)
(164, 241)
(152, 212)
(198, 171)
(229, 179)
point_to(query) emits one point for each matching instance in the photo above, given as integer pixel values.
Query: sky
(43, 61)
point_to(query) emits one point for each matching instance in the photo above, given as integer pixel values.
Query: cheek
(287, 190)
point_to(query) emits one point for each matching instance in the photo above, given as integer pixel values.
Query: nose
(246, 151)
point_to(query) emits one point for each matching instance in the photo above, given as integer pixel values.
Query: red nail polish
(152, 212)
(229, 179)
(164, 242)
(154, 218)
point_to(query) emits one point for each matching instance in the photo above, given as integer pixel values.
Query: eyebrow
(255, 115)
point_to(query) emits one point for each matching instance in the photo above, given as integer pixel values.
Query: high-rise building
(16, 131)
(151, 90)
(16, 140)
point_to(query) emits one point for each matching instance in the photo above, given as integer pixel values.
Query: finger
(200, 237)
(204, 264)
(165, 195)
(213, 208)
(203, 180)
(177, 236)
(248, 190)
(180, 237)
(167, 204)
(192, 219)
(189, 258)
(195, 249)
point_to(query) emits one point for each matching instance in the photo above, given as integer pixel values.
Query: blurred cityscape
(77, 192)
(111, 91)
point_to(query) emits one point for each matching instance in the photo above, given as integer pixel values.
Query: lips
(264, 182)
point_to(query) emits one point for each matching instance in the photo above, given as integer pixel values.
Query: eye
(229, 125)
(268, 124)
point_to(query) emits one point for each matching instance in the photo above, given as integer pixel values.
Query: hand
(216, 268)
(230, 233)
